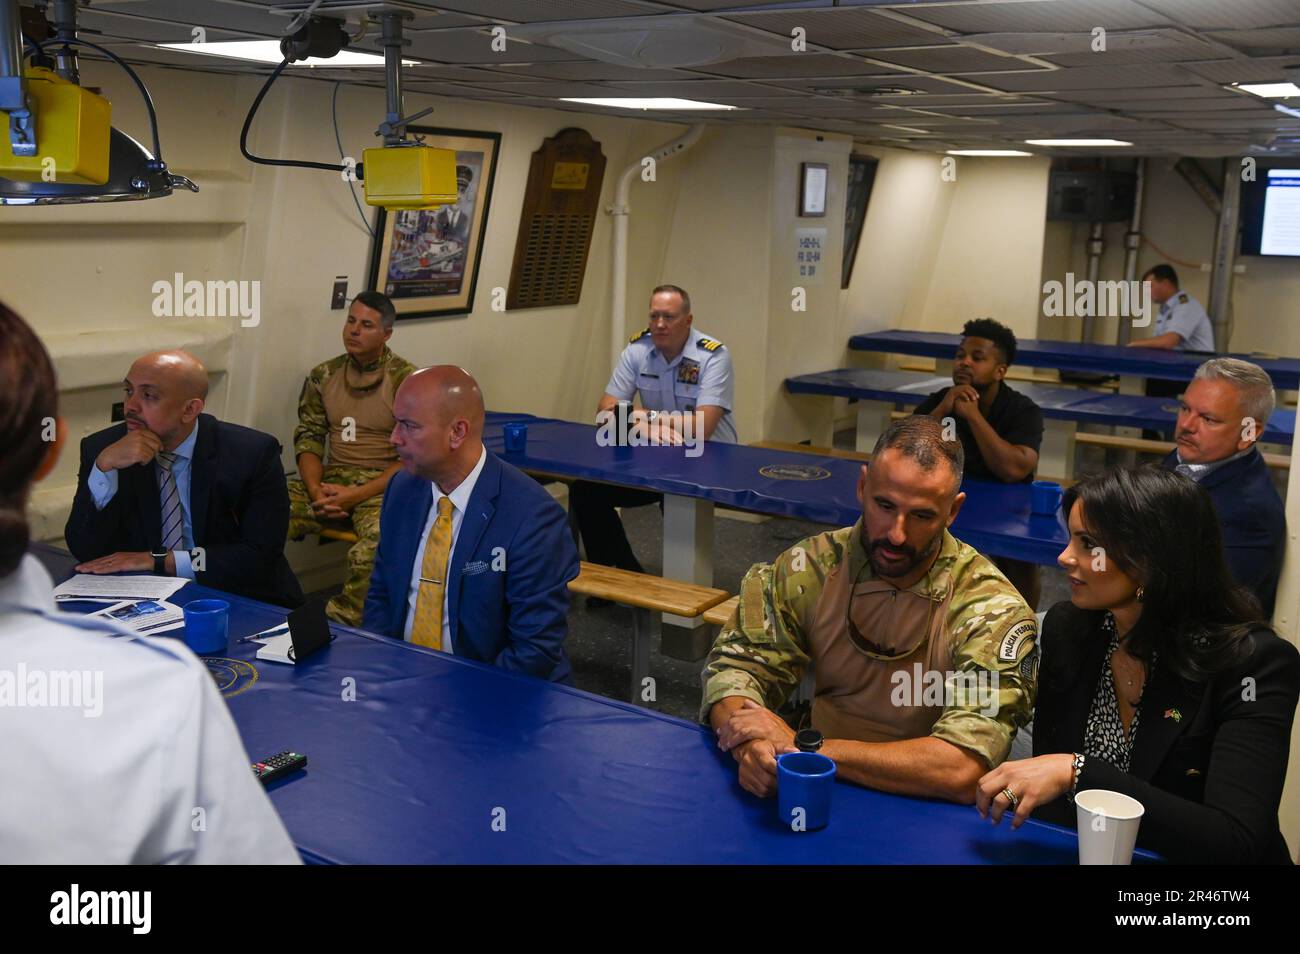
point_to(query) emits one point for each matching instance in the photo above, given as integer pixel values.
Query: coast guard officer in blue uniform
(1181, 325)
(674, 368)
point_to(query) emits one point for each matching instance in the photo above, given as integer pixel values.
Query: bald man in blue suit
(500, 595)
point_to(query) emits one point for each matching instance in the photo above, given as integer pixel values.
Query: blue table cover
(434, 749)
(995, 518)
(1073, 356)
(1064, 404)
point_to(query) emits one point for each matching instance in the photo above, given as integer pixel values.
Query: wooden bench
(646, 595)
(718, 615)
(1280, 461)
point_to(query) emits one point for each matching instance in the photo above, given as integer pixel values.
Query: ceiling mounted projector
(667, 43)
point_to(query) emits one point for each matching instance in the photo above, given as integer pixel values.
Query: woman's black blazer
(1210, 759)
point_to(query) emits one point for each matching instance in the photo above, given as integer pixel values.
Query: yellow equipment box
(73, 126)
(409, 177)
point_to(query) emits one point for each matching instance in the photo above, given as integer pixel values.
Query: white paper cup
(1108, 826)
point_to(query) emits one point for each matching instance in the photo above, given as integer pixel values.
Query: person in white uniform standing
(121, 750)
(1181, 325)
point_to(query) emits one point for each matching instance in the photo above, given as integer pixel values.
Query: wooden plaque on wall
(558, 217)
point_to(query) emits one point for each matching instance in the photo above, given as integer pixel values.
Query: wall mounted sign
(809, 255)
(555, 225)
(812, 188)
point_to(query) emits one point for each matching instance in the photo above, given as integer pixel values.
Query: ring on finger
(1012, 797)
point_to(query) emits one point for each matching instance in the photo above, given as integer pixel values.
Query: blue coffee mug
(207, 625)
(1045, 497)
(516, 437)
(804, 782)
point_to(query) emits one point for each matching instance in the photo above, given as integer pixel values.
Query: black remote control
(268, 770)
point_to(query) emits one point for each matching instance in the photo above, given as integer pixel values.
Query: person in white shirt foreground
(118, 750)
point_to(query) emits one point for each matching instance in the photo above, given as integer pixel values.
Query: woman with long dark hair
(127, 738)
(1158, 679)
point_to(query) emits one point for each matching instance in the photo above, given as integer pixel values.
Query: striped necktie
(172, 519)
(426, 630)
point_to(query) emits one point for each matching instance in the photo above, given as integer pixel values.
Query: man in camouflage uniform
(349, 399)
(925, 655)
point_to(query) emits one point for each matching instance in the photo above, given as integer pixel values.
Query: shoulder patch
(1029, 666)
(639, 335)
(1009, 645)
(708, 344)
(1182, 298)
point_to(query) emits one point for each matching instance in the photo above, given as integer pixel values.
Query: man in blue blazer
(500, 593)
(1223, 414)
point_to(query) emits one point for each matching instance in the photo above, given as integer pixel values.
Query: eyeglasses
(871, 647)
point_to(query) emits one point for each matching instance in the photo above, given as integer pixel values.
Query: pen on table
(267, 634)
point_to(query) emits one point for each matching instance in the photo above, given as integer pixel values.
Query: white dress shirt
(459, 501)
(142, 765)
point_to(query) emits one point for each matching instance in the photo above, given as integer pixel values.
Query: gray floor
(599, 642)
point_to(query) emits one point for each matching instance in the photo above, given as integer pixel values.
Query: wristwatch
(159, 562)
(808, 740)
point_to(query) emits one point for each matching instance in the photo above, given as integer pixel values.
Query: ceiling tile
(591, 70)
(951, 59)
(1228, 14)
(1039, 16)
(796, 64)
(1263, 69)
(843, 29)
(537, 11)
(1084, 78)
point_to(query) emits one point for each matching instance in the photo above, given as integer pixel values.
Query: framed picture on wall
(812, 188)
(427, 260)
(862, 175)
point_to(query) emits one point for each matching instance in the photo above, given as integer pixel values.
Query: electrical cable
(1168, 257)
(248, 122)
(144, 92)
(352, 182)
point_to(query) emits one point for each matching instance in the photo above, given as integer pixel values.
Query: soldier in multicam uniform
(349, 399)
(925, 656)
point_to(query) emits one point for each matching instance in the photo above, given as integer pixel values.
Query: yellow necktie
(427, 628)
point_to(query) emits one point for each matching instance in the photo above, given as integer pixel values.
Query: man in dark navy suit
(474, 557)
(1223, 414)
(175, 492)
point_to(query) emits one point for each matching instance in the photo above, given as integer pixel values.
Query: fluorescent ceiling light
(268, 51)
(1269, 90)
(1077, 142)
(637, 102)
(987, 152)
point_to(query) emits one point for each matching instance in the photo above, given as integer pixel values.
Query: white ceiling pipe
(620, 211)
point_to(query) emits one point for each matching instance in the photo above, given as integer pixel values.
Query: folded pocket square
(474, 568)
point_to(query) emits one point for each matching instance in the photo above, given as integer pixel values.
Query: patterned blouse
(1104, 738)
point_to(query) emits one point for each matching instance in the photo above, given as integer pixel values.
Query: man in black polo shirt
(999, 428)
